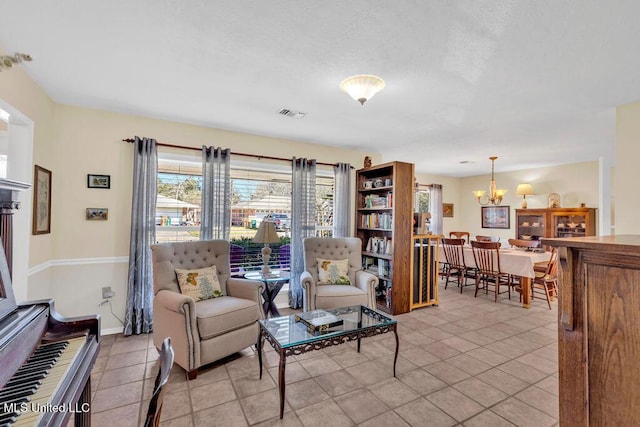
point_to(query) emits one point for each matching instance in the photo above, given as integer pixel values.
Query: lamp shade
(524, 190)
(362, 87)
(266, 233)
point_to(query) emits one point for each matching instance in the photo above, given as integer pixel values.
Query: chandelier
(362, 87)
(495, 196)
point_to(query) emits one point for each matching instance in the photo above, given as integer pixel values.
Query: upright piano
(45, 361)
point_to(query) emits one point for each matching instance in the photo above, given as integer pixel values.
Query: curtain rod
(258, 156)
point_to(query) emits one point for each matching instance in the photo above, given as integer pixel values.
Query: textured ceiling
(533, 82)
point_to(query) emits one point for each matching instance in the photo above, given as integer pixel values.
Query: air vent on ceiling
(466, 162)
(290, 113)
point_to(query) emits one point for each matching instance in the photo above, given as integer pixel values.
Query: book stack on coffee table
(318, 320)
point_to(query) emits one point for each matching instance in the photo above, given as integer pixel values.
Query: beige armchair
(318, 295)
(208, 330)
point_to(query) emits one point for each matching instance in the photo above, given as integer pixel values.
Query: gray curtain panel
(216, 193)
(435, 208)
(342, 200)
(303, 221)
(139, 314)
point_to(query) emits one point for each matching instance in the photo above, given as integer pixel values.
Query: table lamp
(266, 234)
(524, 190)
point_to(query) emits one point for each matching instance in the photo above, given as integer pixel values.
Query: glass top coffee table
(289, 337)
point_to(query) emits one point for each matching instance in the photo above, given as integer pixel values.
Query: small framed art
(98, 181)
(97, 214)
(41, 201)
(447, 210)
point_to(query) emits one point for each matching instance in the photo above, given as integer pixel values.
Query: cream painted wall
(89, 141)
(20, 93)
(627, 202)
(576, 183)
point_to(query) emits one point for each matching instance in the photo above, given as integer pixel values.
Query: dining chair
(487, 238)
(456, 266)
(487, 259)
(159, 390)
(464, 235)
(547, 283)
(524, 244)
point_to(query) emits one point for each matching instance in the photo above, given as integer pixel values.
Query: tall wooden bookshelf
(384, 223)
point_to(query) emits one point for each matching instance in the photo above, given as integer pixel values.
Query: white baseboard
(111, 331)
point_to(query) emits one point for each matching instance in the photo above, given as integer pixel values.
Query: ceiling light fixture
(495, 196)
(362, 87)
(7, 61)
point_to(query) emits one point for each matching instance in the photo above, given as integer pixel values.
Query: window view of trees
(421, 201)
(254, 195)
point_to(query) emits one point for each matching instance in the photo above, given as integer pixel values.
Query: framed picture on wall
(98, 181)
(495, 217)
(97, 214)
(41, 201)
(447, 210)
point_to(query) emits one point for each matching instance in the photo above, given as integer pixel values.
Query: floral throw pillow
(333, 271)
(199, 284)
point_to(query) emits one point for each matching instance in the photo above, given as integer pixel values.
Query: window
(257, 189)
(421, 201)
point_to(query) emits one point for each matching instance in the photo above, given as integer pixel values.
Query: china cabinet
(384, 223)
(535, 224)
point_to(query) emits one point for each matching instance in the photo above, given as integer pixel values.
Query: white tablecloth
(512, 261)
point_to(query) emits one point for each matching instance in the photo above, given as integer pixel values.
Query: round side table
(272, 285)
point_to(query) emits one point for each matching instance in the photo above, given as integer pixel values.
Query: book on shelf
(383, 267)
(318, 320)
(378, 201)
(377, 220)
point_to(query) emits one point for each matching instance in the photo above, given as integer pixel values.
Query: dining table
(513, 261)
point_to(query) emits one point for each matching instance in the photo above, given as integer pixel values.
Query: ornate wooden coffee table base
(299, 341)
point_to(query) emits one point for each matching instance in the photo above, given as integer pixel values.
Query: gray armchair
(317, 295)
(208, 330)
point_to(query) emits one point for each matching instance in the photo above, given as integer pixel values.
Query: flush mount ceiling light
(7, 61)
(362, 87)
(495, 196)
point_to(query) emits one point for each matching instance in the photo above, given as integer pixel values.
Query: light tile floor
(468, 362)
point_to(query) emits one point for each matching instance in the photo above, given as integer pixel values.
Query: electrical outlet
(107, 292)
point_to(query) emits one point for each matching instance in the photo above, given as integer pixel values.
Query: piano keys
(46, 361)
(39, 379)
